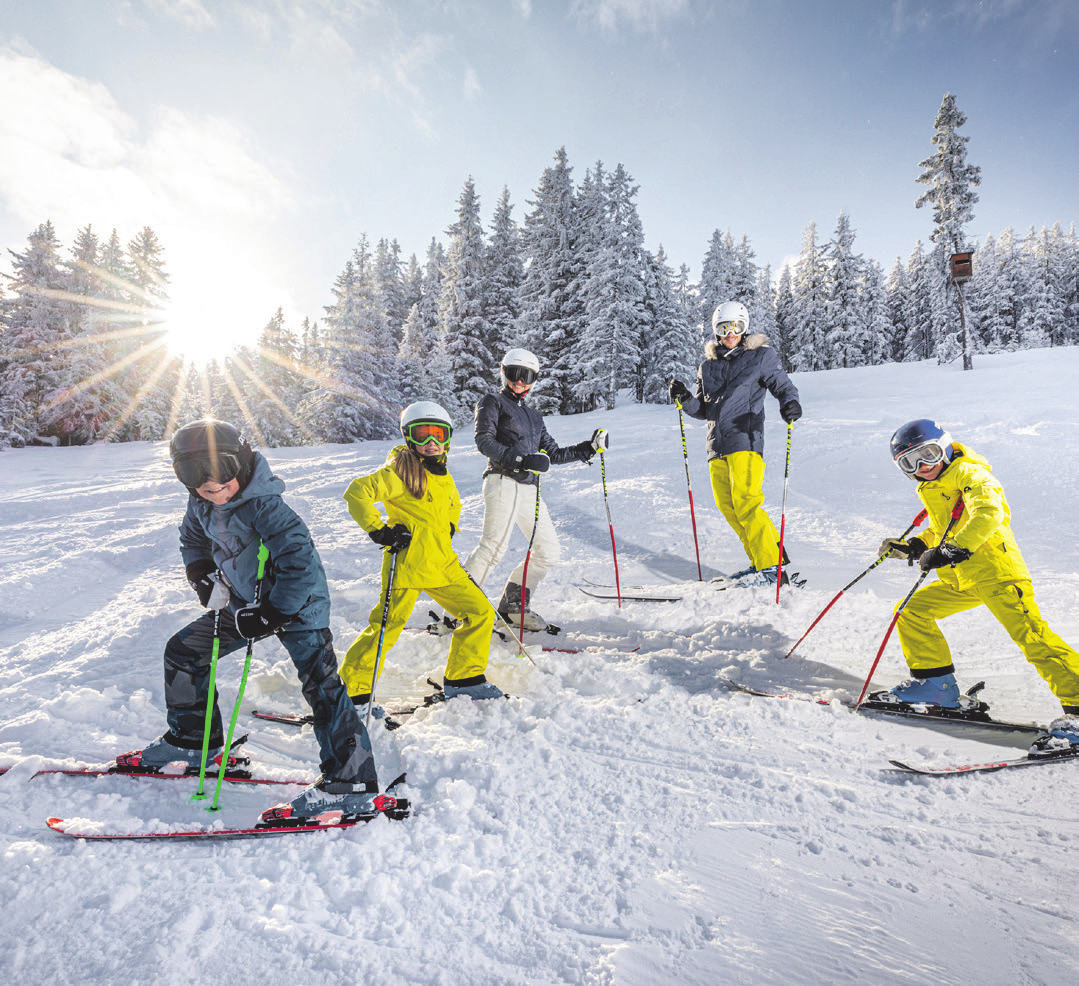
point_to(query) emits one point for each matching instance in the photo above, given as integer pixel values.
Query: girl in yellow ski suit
(994, 575)
(418, 492)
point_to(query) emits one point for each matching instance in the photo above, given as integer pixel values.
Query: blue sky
(261, 139)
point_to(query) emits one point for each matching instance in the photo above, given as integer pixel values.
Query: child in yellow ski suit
(978, 564)
(423, 510)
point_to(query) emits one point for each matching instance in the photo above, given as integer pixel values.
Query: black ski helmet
(210, 451)
(920, 441)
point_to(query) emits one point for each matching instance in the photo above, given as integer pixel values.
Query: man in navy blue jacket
(731, 384)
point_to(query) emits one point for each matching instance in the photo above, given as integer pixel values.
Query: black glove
(790, 412)
(536, 462)
(256, 622)
(912, 549)
(944, 554)
(396, 538)
(212, 592)
(601, 439)
(679, 391)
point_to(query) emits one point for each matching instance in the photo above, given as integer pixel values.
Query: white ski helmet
(730, 311)
(424, 420)
(521, 365)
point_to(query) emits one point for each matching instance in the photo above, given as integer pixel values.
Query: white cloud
(472, 87)
(642, 15)
(188, 13)
(72, 155)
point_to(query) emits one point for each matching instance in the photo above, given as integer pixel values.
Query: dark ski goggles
(198, 468)
(422, 432)
(921, 455)
(521, 374)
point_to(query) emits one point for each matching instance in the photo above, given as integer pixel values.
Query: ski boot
(476, 688)
(325, 800)
(941, 690)
(162, 756)
(509, 608)
(441, 625)
(1061, 739)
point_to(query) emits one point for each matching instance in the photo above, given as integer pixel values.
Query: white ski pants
(505, 503)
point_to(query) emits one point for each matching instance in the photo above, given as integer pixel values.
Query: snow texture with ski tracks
(623, 818)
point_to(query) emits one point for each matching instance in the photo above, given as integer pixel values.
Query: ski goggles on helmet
(725, 329)
(422, 432)
(913, 459)
(522, 374)
(198, 468)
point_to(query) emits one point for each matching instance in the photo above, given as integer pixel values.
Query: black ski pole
(783, 518)
(689, 483)
(381, 634)
(528, 555)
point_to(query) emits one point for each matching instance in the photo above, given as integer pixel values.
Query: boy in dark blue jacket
(235, 505)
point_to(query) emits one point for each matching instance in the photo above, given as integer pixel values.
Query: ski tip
(56, 824)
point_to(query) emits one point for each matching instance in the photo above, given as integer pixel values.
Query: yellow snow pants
(1012, 603)
(736, 485)
(470, 645)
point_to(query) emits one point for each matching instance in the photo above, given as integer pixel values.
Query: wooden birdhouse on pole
(962, 267)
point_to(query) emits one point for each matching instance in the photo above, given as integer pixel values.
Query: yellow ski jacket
(983, 528)
(429, 561)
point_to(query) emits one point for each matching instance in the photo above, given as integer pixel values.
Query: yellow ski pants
(470, 645)
(736, 485)
(1012, 603)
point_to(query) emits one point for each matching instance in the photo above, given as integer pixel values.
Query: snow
(623, 818)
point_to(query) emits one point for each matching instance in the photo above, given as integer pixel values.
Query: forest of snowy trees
(82, 357)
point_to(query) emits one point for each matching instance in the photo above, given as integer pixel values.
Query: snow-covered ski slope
(623, 818)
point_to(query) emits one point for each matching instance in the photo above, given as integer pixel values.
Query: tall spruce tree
(951, 182)
(468, 335)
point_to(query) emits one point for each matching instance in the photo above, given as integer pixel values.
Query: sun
(215, 306)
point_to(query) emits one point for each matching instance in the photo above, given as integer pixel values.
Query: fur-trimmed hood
(713, 350)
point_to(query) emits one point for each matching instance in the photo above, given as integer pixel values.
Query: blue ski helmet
(920, 442)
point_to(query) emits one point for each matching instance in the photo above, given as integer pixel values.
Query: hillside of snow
(623, 818)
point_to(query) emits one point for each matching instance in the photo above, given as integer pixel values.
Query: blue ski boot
(475, 688)
(941, 690)
(1061, 739)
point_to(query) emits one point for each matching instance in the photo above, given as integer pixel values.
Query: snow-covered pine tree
(276, 385)
(392, 295)
(34, 326)
(468, 336)
(608, 350)
(899, 313)
(358, 397)
(718, 281)
(875, 330)
(786, 317)
(809, 318)
(414, 359)
(672, 351)
(920, 342)
(551, 308)
(431, 296)
(951, 182)
(153, 376)
(88, 397)
(762, 313)
(846, 322)
(504, 274)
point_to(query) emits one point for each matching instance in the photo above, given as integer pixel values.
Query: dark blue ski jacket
(295, 582)
(507, 428)
(730, 394)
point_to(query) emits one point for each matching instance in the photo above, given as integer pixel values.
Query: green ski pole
(264, 554)
(200, 794)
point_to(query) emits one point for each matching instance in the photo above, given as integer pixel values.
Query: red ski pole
(956, 511)
(917, 522)
(610, 525)
(689, 483)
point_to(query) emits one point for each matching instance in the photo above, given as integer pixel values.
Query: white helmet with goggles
(730, 317)
(519, 364)
(425, 420)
